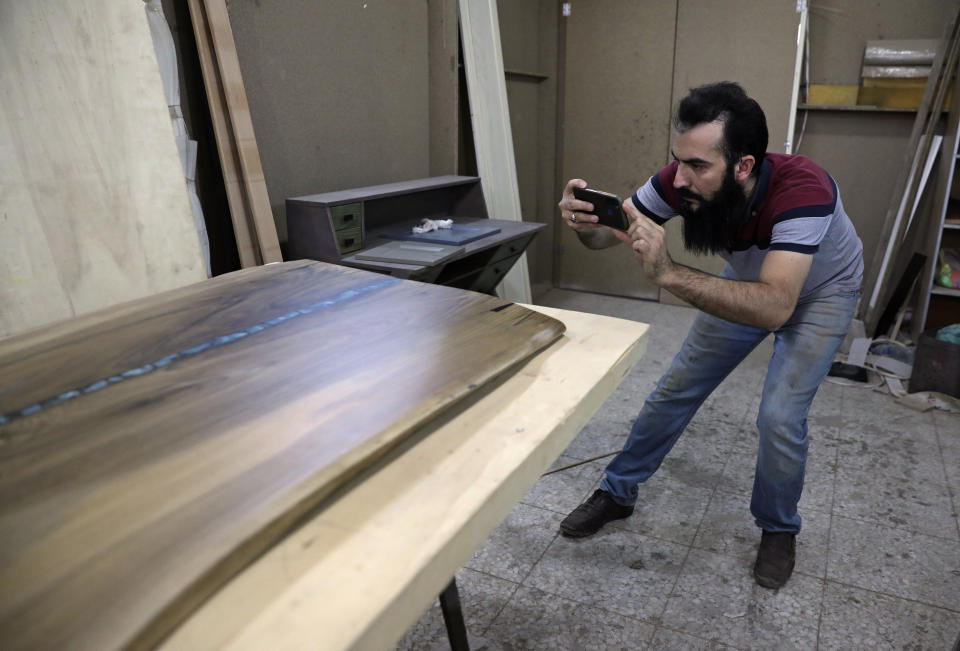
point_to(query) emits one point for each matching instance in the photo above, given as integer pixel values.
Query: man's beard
(714, 224)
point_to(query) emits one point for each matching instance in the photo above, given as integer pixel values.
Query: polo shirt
(796, 207)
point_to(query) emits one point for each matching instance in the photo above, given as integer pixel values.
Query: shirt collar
(763, 180)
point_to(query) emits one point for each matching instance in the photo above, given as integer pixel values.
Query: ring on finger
(573, 217)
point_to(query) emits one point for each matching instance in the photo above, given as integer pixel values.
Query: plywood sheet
(93, 205)
(339, 92)
(490, 116)
(152, 450)
(619, 68)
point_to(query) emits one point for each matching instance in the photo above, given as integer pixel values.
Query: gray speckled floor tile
(828, 401)
(716, 598)
(599, 436)
(948, 437)
(919, 504)
(562, 491)
(667, 509)
(854, 618)
(868, 407)
(906, 454)
(818, 484)
(513, 547)
(614, 569)
(667, 640)
(482, 597)
(539, 620)
(895, 562)
(728, 528)
(720, 433)
(695, 460)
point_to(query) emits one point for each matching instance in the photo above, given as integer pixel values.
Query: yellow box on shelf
(893, 92)
(832, 94)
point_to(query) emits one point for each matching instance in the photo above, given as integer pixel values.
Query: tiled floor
(878, 563)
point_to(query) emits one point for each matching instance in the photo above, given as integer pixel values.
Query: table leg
(453, 617)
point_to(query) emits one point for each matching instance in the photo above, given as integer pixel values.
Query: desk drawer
(512, 248)
(493, 274)
(349, 240)
(346, 216)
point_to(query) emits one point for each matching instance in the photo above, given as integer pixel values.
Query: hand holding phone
(606, 206)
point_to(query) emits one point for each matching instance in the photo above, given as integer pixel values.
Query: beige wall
(618, 73)
(528, 32)
(343, 96)
(338, 92)
(864, 151)
(716, 43)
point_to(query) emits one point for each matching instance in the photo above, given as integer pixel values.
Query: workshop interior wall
(864, 152)
(338, 92)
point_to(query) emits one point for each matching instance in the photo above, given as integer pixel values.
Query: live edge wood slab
(364, 567)
(151, 451)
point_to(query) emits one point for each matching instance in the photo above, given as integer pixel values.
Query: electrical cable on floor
(580, 463)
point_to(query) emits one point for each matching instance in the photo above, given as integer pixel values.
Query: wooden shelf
(854, 108)
(945, 291)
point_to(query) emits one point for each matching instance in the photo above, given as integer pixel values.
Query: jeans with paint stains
(803, 351)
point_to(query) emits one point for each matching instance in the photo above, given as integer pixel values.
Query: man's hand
(649, 243)
(574, 213)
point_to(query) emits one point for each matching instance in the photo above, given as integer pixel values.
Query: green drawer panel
(345, 216)
(349, 240)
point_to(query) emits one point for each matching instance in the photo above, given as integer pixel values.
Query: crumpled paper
(427, 225)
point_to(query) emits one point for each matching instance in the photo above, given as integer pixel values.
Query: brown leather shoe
(586, 519)
(775, 558)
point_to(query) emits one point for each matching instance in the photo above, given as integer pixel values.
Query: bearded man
(794, 266)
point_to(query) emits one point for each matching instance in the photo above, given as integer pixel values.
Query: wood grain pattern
(362, 570)
(490, 115)
(93, 204)
(122, 509)
(246, 188)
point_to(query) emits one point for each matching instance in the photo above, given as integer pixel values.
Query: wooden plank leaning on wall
(246, 188)
(486, 85)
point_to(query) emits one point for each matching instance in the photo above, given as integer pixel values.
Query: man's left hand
(649, 244)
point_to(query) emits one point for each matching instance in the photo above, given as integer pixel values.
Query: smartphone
(606, 207)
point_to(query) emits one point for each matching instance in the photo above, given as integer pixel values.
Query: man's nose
(680, 179)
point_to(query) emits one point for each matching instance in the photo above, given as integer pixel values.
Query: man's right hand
(576, 215)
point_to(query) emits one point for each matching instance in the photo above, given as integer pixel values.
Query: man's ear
(744, 167)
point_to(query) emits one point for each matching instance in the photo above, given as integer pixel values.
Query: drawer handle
(348, 242)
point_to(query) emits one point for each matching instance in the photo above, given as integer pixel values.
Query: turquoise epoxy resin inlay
(189, 352)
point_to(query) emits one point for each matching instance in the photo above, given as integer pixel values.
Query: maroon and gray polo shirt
(796, 207)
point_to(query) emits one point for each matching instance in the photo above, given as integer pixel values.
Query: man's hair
(744, 124)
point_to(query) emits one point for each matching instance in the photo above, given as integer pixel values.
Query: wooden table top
(373, 557)
(151, 451)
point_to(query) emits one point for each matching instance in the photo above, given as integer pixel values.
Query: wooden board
(366, 566)
(123, 508)
(486, 86)
(93, 204)
(615, 143)
(246, 188)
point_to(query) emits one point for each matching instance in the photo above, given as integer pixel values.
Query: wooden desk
(336, 226)
(368, 563)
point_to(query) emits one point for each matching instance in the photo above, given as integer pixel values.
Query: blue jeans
(803, 351)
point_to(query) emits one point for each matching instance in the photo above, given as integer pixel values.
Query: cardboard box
(891, 92)
(832, 94)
